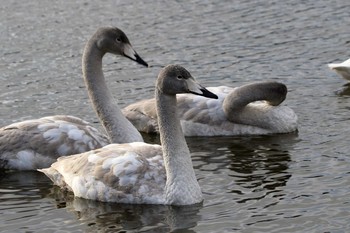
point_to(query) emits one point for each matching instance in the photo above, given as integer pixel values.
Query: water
(279, 183)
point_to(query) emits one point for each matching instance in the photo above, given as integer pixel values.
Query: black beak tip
(209, 94)
(140, 60)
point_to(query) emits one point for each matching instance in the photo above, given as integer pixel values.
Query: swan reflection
(103, 217)
(345, 91)
(251, 167)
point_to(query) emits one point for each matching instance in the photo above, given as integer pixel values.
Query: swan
(250, 109)
(37, 143)
(343, 69)
(137, 172)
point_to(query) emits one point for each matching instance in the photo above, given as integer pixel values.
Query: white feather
(343, 69)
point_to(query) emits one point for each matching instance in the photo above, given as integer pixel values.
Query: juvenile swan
(34, 144)
(246, 110)
(343, 69)
(139, 172)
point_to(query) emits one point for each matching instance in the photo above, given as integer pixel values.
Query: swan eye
(118, 39)
(180, 77)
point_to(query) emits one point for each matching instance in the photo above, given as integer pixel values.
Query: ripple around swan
(278, 183)
(23, 200)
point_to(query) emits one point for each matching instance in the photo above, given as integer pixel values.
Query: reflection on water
(26, 185)
(344, 91)
(263, 162)
(254, 162)
(277, 183)
(242, 169)
(18, 203)
(22, 202)
(99, 216)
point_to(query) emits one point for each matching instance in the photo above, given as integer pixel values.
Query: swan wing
(143, 115)
(199, 109)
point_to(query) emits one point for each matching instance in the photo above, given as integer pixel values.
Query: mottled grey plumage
(249, 109)
(34, 144)
(138, 172)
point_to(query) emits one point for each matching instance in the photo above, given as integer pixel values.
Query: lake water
(280, 183)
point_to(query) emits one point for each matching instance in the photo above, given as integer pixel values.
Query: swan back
(33, 144)
(124, 173)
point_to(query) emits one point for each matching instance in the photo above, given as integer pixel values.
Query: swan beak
(197, 89)
(130, 53)
(140, 60)
(208, 94)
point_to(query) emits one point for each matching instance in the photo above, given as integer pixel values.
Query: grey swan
(140, 173)
(252, 109)
(34, 144)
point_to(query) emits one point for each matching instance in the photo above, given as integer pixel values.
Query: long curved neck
(266, 116)
(118, 128)
(181, 187)
(272, 92)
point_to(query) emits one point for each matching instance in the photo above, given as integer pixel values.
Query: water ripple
(279, 183)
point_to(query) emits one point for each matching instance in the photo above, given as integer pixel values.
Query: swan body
(252, 109)
(137, 172)
(25, 145)
(37, 143)
(343, 69)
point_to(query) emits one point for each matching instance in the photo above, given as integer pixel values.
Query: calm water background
(278, 183)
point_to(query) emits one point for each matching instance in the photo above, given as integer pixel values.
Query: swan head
(174, 79)
(114, 40)
(276, 92)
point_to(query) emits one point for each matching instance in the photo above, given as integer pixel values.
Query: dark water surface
(279, 183)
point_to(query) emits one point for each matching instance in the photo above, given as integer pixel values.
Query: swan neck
(118, 128)
(238, 107)
(181, 187)
(169, 125)
(272, 92)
